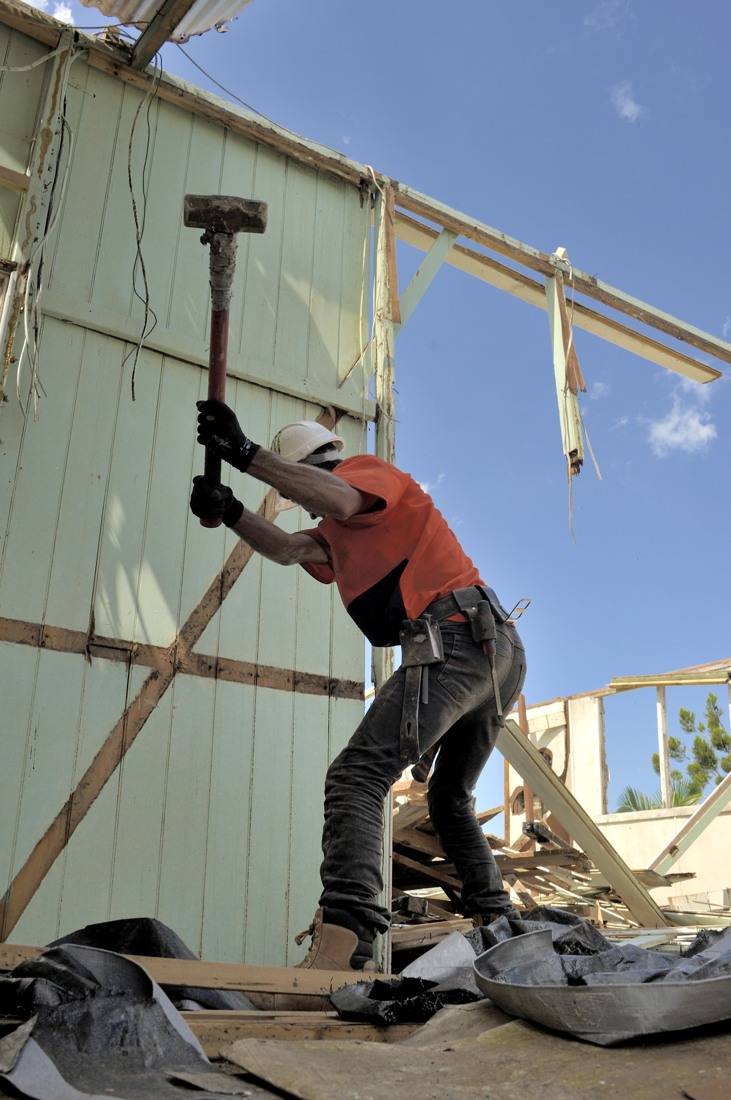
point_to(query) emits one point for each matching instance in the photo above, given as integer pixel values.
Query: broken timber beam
(499, 275)
(528, 762)
(214, 975)
(695, 826)
(160, 28)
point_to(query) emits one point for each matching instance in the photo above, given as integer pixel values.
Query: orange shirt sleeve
(321, 571)
(381, 484)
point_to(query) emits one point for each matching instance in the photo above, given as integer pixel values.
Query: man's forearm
(318, 491)
(266, 538)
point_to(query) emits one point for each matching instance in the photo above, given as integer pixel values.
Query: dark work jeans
(461, 712)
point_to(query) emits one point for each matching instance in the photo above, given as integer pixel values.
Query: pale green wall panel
(309, 753)
(227, 839)
(18, 672)
(213, 820)
(187, 797)
(28, 548)
(126, 512)
(173, 464)
(52, 746)
(136, 872)
(268, 882)
(86, 477)
(88, 862)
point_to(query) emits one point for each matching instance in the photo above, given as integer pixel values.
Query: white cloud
(427, 486)
(42, 4)
(726, 330)
(686, 427)
(63, 13)
(607, 15)
(347, 139)
(624, 102)
(621, 422)
(598, 390)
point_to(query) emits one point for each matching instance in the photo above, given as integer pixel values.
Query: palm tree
(683, 793)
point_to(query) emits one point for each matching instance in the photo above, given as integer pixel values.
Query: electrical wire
(228, 91)
(142, 294)
(35, 262)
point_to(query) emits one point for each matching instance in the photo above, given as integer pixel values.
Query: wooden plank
(14, 181)
(59, 639)
(662, 747)
(529, 290)
(217, 1030)
(157, 32)
(671, 679)
(464, 225)
(431, 872)
(406, 938)
(568, 408)
(528, 801)
(389, 228)
(529, 763)
(694, 826)
(426, 273)
(215, 975)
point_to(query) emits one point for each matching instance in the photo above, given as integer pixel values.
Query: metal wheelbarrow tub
(602, 1014)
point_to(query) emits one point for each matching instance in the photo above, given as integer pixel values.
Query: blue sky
(601, 126)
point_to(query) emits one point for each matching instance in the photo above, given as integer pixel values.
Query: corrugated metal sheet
(212, 821)
(204, 14)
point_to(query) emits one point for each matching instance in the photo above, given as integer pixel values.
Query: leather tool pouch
(421, 646)
(421, 642)
(479, 615)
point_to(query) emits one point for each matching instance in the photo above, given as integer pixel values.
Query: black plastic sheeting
(145, 936)
(558, 970)
(401, 1000)
(443, 976)
(100, 1027)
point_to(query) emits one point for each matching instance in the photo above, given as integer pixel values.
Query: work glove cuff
(233, 512)
(244, 455)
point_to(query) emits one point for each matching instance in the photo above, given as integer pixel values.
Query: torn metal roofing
(203, 15)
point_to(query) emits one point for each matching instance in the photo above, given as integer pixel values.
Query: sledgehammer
(221, 217)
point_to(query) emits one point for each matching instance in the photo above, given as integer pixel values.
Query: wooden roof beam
(547, 264)
(160, 28)
(530, 290)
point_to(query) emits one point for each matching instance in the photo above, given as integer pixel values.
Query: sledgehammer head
(224, 214)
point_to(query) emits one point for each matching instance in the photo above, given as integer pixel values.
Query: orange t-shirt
(392, 561)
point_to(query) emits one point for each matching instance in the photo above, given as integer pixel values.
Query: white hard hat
(297, 441)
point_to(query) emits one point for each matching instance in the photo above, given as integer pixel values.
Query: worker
(404, 579)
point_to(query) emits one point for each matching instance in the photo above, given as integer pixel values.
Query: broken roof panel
(200, 16)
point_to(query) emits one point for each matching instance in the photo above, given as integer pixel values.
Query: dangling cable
(143, 294)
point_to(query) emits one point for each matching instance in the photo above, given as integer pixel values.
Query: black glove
(208, 501)
(220, 432)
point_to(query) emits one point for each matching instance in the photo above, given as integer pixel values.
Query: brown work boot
(332, 948)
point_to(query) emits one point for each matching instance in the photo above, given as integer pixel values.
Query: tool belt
(421, 646)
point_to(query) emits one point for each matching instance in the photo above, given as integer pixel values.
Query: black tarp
(98, 1026)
